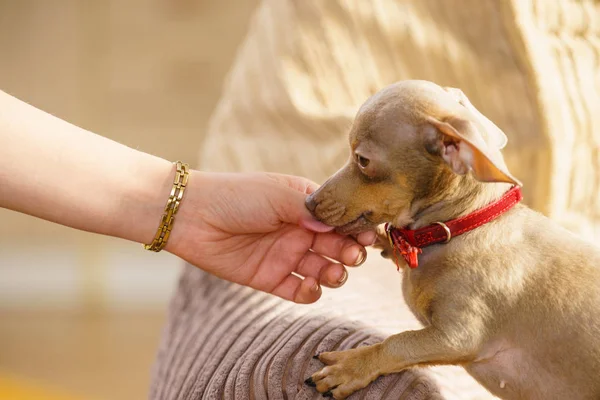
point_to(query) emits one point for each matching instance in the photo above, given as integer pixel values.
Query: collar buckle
(447, 230)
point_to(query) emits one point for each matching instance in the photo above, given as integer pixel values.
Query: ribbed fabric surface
(224, 341)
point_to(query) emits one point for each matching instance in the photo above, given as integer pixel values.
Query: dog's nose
(311, 203)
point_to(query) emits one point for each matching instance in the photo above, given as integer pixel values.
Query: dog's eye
(362, 162)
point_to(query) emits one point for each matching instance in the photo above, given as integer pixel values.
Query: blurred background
(80, 315)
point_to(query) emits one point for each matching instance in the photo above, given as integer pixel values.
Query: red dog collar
(409, 242)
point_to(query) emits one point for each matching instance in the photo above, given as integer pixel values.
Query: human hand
(254, 229)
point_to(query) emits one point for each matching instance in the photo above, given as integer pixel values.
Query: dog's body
(516, 301)
(528, 292)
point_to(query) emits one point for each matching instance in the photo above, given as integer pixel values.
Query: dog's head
(410, 143)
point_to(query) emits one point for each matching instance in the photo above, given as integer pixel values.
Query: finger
(301, 184)
(367, 238)
(298, 290)
(289, 206)
(298, 183)
(328, 273)
(313, 225)
(340, 248)
(311, 187)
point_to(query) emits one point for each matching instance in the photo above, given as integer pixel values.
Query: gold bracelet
(166, 222)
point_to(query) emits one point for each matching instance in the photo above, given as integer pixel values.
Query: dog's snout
(311, 203)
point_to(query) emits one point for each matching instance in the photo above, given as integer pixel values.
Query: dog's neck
(463, 198)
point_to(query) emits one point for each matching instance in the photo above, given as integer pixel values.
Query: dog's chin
(360, 224)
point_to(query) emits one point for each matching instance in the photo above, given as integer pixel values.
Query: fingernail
(374, 240)
(311, 187)
(316, 357)
(315, 287)
(316, 226)
(361, 257)
(309, 381)
(343, 278)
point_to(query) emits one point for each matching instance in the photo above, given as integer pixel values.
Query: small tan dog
(515, 300)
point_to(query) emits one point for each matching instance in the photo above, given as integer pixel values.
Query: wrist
(190, 219)
(145, 192)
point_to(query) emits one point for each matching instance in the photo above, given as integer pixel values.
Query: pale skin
(252, 229)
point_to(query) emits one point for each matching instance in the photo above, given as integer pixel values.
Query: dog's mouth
(360, 224)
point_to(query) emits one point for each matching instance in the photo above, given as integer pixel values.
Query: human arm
(62, 173)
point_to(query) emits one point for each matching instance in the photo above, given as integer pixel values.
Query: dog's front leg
(350, 370)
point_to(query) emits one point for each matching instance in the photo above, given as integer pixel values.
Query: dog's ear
(461, 145)
(495, 136)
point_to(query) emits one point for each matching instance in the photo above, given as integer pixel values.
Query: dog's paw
(346, 372)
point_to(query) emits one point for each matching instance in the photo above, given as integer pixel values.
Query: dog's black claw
(328, 394)
(310, 382)
(316, 357)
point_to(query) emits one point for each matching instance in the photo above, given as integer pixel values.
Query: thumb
(292, 210)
